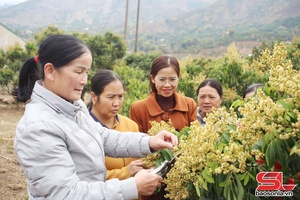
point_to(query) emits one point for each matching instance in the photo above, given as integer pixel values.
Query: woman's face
(208, 98)
(248, 95)
(68, 82)
(110, 101)
(166, 81)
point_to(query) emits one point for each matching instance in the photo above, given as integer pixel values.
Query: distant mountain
(230, 13)
(180, 26)
(247, 23)
(5, 6)
(255, 20)
(94, 15)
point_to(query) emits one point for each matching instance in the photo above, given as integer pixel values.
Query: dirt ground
(12, 179)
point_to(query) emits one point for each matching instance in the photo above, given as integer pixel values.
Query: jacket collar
(154, 109)
(40, 93)
(117, 121)
(200, 118)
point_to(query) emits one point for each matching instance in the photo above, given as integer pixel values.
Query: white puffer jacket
(62, 150)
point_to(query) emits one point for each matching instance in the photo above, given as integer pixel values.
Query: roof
(8, 38)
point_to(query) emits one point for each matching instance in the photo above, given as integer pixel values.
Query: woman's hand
(135, 166)
(147, 182)
(163, 139)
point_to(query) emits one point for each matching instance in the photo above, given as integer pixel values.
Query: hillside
(94, 15)
(229, 13)
(171, 26)
(209, 30)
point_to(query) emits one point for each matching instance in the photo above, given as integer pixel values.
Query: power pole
(137, 26)
(126, 23)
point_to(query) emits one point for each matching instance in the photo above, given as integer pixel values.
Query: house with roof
(8, 38)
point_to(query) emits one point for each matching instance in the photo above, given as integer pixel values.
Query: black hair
(57, 49)
(252, 88)
(161, 62)
(100, 80)
(212, 83)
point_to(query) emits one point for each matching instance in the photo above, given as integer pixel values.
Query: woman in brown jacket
(164, 103)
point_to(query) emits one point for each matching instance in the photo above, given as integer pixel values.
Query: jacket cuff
(145, 147)
(129, 189)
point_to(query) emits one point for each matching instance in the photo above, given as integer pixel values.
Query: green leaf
(255, 173)
(267, 138)
(285, 144)
(285, 104)
(258, 145)
(246, 180)
(197, 188)
(159, 161)
(235, 191)
(291, 142)
(227, 192)
(287, 117)
(252, 197)
(167, 154)
(200, 179)
(218, 179)
(204, 185)
(240, 192)
(288, 130)
(242, 176)
(281, 154)
(226, 137)
(237, 103)
(270, 154)
(292, 115)
(207, 176)
(223, 184)
(293, 150)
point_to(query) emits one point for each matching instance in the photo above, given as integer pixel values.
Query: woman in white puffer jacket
(59, 146)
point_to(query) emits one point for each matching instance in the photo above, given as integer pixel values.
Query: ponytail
(57, 49)
(29, 74)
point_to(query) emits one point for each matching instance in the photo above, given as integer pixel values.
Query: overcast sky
(10, 2)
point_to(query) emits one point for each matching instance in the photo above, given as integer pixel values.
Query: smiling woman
(164, 103)
(58, 131)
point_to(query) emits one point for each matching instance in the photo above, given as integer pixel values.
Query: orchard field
(271, 119)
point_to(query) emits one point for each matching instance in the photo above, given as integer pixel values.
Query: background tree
(50, 30)
(11, 62)
(106, 49)
(141, 61)
(294, 53)
(109, 52)
(135, 87)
